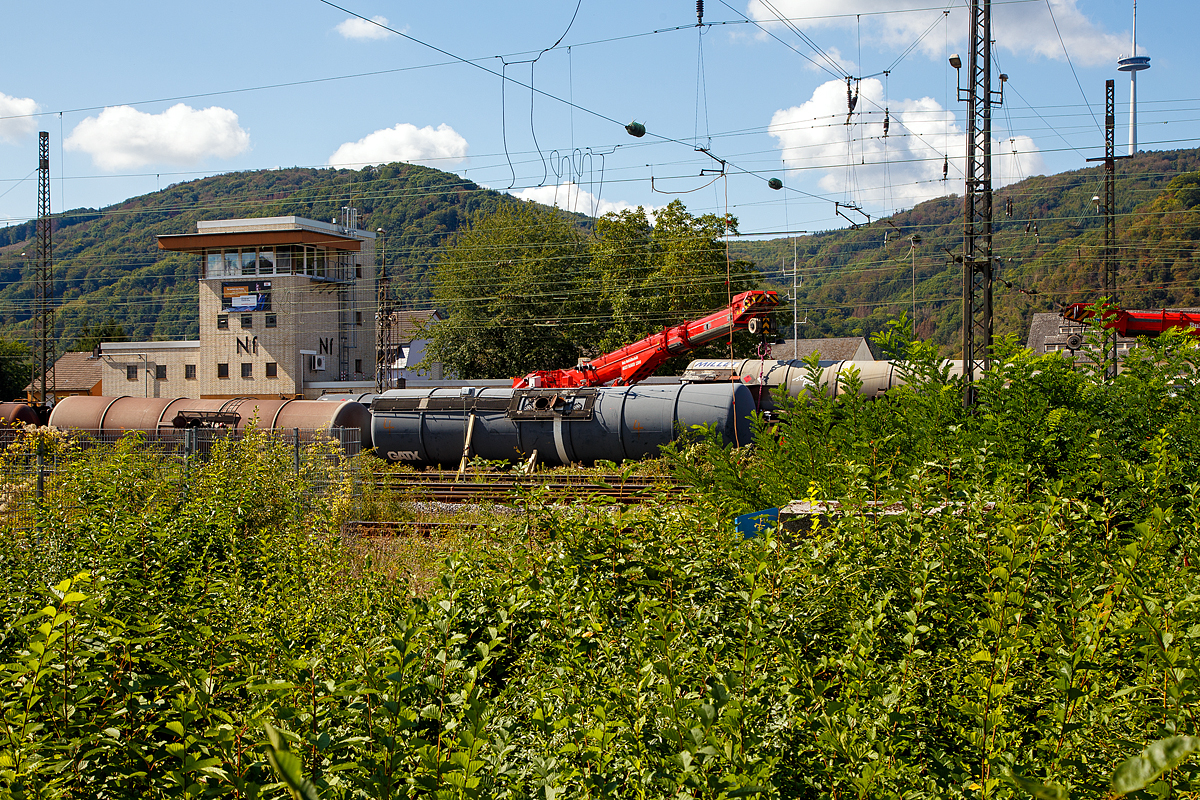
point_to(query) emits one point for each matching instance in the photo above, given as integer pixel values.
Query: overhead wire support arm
(854, 224)
(720, 161)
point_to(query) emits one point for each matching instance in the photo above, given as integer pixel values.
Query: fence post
(296, 466)
(41, 469)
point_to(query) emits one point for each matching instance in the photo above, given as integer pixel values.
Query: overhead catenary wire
(1071, 64)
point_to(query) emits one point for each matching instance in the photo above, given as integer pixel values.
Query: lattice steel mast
(977, 198)
(1108, 208)
(43, 293)
(385, 322)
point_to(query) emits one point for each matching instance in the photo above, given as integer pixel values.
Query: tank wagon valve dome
(565, 426)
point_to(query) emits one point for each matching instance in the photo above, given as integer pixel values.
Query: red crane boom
(1136, 323)
(637, 361)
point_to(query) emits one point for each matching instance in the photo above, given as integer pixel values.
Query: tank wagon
(153, 414)
(763, 377)
(14, 414)
(438, 426)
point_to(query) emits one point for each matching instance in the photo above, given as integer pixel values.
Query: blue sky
(137, 96)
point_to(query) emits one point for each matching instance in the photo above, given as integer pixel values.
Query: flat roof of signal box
(212, 234)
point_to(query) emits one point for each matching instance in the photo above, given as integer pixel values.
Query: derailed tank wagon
(437, 427)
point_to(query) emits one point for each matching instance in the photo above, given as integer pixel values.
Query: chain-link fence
(32, 465)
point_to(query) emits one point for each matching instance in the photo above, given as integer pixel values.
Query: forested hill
(1047, 232)
(107, 263)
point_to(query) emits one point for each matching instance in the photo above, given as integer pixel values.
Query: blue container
(752, 524)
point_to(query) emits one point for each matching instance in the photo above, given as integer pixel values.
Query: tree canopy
(515, 287)
(14, 369)
(524, 289)
(91, 336)
(665, 273)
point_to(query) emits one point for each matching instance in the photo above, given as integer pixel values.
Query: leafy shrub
(1024, 622)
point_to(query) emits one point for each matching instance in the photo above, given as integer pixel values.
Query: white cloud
(1030, 27)
(404, 142)
(123, 138)
(356, 28)
(899, 170)
(16, 120)
(569, 196)
(1021, 28)
(816, 63)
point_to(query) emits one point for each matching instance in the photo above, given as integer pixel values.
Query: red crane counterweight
(637, 361)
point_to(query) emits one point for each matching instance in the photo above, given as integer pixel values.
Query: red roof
(75, 372)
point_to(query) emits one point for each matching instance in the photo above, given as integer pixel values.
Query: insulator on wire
(887, 121)
(775, 183)
(945, 167)
(636, 129)
(699, 12)
(1008, 207)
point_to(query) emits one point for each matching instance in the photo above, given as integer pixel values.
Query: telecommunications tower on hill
(1133, 64)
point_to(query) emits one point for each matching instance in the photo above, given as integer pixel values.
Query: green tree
(92, 335)
(14, 369)
(517, 293)
(663, 274)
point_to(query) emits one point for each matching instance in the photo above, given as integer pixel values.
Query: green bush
(1025, 622)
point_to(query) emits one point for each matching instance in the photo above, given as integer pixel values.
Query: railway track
(508, 488)
(397, 528)
(497, 490)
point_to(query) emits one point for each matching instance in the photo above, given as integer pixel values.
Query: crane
(637, 361)
(1136, 323)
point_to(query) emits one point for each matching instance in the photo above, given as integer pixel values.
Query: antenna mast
(1133, 64)
(43, 311)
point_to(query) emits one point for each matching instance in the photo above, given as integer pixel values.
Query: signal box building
(287, 309)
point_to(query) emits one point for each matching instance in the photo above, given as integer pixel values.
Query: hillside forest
(851, 281)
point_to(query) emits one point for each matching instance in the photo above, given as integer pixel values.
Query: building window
(215, 267)
(271, 321)
(358, 365)
(222, 370)
(283, 260)
(222, 322)
(247, 370)
(357, 271)
(358, 318)
(160, 372)
(247, 321)
(266, 261)
(189, 372)
(272, 369)
(131, 372)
